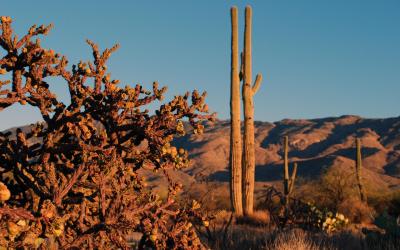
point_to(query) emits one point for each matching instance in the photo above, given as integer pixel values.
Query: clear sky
(319, 58)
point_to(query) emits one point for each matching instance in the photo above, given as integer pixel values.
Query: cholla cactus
(73, 180)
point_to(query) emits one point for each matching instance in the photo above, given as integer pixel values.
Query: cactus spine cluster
(360, 185)
(235, 143)
(288, 181)
(242, 190)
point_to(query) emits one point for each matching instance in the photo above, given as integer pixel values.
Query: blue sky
(318, 58)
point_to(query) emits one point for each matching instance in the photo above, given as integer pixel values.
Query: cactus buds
(58, 228)
(13, 229)
(21, 223)
(5, 194)
(5, 19)
(195, 205)
(48, 209)
(174, 152)
(153, 237)
(180, 129)
(199, 129)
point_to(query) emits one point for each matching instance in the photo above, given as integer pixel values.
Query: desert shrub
(272, 202)
(332, 189)
(73, 180)
(336, 186)
(356, 211)
(385, 201)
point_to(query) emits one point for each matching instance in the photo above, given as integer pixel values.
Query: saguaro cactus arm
(293, 178)
(257, 83)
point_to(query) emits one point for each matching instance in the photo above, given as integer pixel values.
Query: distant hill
(316, 144)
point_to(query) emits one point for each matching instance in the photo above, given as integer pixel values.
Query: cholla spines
(360, 185)
(248, 91)
(235, 139)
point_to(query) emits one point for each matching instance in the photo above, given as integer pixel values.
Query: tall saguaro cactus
(288, 182)
(360, 185)
(235, 143)
(248, 91)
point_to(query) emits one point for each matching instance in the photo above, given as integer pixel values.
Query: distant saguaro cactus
(235, 140)
(248, 91)
(288, 182)
(360, 185)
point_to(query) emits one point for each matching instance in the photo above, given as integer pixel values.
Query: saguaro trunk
(286, 166)
(235, 140)
(363, 197)
(248, 92)
(288, 182)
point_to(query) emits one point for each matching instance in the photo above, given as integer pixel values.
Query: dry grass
(296, 239)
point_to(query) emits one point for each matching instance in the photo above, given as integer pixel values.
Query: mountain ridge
(316, 144)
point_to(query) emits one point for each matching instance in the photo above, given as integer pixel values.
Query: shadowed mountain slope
(315, 144)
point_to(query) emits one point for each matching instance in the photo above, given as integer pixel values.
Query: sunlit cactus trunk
(235, 139)
(360, 185)
(248, 91)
